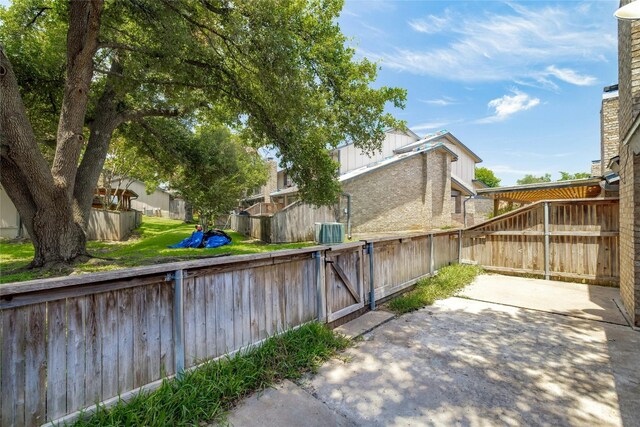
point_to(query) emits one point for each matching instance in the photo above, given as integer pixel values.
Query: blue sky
(520, 83)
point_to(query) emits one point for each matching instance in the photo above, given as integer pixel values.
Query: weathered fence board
(583, 241)
(294, 223)
(400, 262)
(56, 360)
(69, 343)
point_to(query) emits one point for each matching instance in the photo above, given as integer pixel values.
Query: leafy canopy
(278, 72)
(217, 171)
(565, 176)
(532, 179)
(487, 176)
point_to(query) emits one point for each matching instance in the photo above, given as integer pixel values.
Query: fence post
(320, 286)
(546, 240)
(431, 255)
(459, 246)
(178, 321)
(372, 289)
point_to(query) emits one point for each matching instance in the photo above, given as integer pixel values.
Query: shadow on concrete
(623, 348)
(464, 362)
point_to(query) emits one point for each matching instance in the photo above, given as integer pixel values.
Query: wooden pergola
(529, 193)
(125, 195)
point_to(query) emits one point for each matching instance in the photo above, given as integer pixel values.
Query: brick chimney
(609, 130)
(272, 181)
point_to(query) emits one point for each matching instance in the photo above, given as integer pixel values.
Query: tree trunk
(105, 123)
(57, 238)
(44, 197)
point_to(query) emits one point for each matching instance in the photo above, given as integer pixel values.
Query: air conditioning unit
(329, 232)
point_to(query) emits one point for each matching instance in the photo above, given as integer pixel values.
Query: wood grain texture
(93, 353)
(583, 240)
(76, 363)
(83, 342)
(56, 360)
(107, 306)
(125, 340)
(13, 367)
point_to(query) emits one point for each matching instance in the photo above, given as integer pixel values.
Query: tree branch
(152, 112)
(19, 144)
(122, 46)
(105, 122)
(82, 44)
(38, 15)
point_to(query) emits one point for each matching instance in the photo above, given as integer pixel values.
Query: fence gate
(344, 281)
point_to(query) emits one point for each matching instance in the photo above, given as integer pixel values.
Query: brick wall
(596, 169)
(630, 232)
(629, 106)
(609, 132)
(412, 194)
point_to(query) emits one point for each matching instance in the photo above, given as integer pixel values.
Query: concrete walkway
(475, 363)
(571, 299)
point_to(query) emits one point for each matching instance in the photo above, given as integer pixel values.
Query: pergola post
(496, 206)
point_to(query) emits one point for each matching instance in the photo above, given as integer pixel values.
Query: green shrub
(446, 283)
(206, 393)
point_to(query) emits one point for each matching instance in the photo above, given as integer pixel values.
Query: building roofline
(434, 137)
(480, 182)
(377, 166)
(467, 149)
(455, 180)
(583, 182)
(407, 132)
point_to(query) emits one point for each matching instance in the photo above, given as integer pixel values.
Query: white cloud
(570, 76)
(520, 44)
(443, 102)
(429, 126)
(508, 105)
(430, 25)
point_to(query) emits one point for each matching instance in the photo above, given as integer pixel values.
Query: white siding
(463, 169)
(154, 204)
(352, 158)
(8, 217)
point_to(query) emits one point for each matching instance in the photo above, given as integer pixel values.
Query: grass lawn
(147, 246)
(206, 393)
(446, 283)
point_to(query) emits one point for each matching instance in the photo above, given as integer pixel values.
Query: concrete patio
(509, 351)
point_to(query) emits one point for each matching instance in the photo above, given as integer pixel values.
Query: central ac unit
(329, 232)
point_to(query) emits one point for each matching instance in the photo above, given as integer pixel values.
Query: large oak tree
(74, 72)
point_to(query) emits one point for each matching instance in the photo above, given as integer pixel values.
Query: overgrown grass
(446, 283)
(207, 392)
(147, 246)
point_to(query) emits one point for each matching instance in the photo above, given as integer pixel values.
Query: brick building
(629, 163)
(412, 183)
(609, 129)
(408, 192)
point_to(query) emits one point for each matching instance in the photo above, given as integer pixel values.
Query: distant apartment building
(411, 183)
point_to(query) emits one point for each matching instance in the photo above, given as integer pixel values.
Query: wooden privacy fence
(294, 223)
(69, 343)
(574, 239)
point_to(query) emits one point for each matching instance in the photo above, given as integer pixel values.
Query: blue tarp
(217, 241)
(192, 241)
(196, 238)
